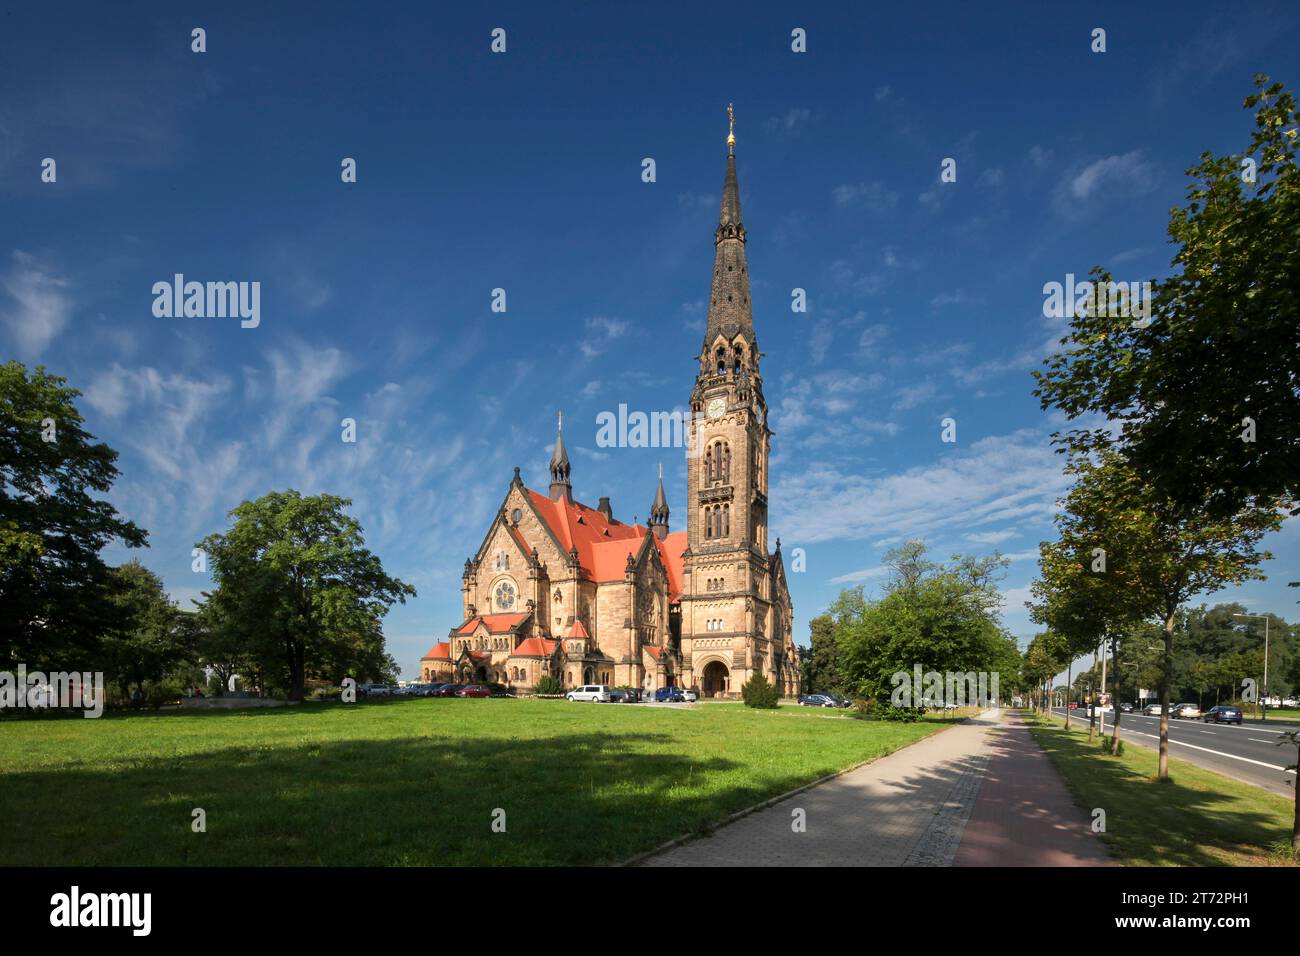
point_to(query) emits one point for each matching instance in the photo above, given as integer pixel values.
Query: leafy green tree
(55, 589)
(823, 665)
(298, 591)
(1221, 347)
(1161, 555)
(943, 617)
(149, 641)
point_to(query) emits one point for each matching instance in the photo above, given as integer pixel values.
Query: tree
(1159, 554)
(150, 640)
(299, 590)
(55, 588)
(823, 665)
(1221, 348)
(942, 617)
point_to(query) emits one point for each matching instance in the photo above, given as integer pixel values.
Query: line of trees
(298, 597)
(1184, 443)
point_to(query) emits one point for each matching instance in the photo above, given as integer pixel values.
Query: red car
(474, 690)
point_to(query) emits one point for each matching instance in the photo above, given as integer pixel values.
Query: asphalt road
(1248, 753)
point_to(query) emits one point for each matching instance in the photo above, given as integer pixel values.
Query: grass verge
(1197, 818)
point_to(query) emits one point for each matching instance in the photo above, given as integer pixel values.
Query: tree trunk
(1165, 679)
(1092, 698)
(1295, 821)
(1114, 658)
(1069, 672)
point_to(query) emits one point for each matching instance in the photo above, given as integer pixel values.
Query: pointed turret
(730, 310)
(560, 487)
(659, 510)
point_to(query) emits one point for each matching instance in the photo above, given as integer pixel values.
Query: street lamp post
(1263, 707)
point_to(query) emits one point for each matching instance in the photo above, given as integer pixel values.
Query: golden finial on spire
(731, 132)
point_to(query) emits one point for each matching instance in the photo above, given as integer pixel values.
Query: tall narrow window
(726, 520)
(708, 465)
(726, 466)
(708, 522)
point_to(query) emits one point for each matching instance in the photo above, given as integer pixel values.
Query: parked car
(690, 696)
(814, 700)
(670, 694)
(618, 696)
(838, 700)
(1223, 714)
(448, 690)
(634, 695)
(1186, 711)
(1126, 708)
(595, 693)
(375, 690)
(1153, 710)
(474, 690)
(1075, 705)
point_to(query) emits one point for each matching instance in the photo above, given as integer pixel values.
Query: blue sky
(522, 171)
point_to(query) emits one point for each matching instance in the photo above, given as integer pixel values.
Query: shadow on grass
(571, 799)
(1162, 823)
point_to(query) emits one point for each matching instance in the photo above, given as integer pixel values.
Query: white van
(596, 693)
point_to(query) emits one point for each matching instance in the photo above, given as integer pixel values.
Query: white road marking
(1217, 753)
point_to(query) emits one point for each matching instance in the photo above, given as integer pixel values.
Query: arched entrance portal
(481, 675)
(589, 676)
(716, 679)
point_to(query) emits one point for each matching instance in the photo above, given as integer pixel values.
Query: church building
(558, 587)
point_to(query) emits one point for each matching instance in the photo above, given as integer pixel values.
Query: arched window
(708, 464)
(722, 361)
(740, 356)
(726, 462)
(708, 522)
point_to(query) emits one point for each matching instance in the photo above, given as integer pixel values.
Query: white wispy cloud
(39, 304)
(996, 480)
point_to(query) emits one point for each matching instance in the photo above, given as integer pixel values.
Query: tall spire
(730, 312)
(560, 487)
(659, 510)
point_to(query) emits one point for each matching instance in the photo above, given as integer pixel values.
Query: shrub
(904, 715)
(757, 692)
(549, 686)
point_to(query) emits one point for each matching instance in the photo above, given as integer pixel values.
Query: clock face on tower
(716, 407)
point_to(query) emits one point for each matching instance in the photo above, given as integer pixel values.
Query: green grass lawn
(411, 782)
(1199, 818)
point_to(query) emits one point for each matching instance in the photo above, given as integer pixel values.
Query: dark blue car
(1223, 714)
(671, 694)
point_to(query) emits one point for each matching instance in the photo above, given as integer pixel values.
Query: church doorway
(589, 676)
(716, 679)
(481, 675)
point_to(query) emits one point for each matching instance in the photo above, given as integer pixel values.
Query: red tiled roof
(671, 549)
(496, 623)
(655, 652)
(579, 630)
(603, 545)
(535, 647)
(439, 652)
(576, 525)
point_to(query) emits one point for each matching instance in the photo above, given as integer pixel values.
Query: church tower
(728, 608)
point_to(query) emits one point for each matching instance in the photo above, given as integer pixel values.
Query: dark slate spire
(560, 487)
(659, 510)
(730, 311)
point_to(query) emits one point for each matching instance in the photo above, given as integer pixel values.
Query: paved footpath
(915, 807)
(1024, 815)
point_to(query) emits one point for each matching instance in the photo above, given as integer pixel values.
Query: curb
(687, 837)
